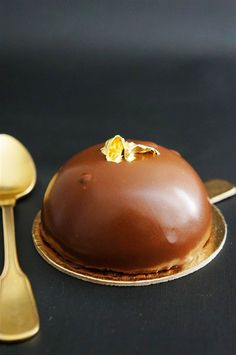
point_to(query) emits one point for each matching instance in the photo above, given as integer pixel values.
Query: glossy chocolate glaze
(130, 217)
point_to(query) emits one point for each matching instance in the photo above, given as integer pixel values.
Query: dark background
(74, 73)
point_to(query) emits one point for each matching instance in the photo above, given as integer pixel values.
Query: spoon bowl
(17, 169)
(19, 318)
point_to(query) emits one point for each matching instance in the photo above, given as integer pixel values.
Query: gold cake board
(202, 258)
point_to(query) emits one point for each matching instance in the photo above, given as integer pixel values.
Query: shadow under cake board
(218, 190)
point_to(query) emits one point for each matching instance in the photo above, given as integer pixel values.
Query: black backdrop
(74, 73)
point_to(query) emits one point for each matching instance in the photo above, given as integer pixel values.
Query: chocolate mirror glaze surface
(139, 216)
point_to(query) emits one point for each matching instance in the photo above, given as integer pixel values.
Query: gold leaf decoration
(113, 149)
(117, 148)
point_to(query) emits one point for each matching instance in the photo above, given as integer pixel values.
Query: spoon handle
(10, 252)
(18, 312)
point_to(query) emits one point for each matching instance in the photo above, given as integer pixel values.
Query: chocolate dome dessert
(126, 207)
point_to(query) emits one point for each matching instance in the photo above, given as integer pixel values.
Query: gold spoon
(19, 318)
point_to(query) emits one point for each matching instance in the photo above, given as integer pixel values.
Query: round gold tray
(204, 257)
